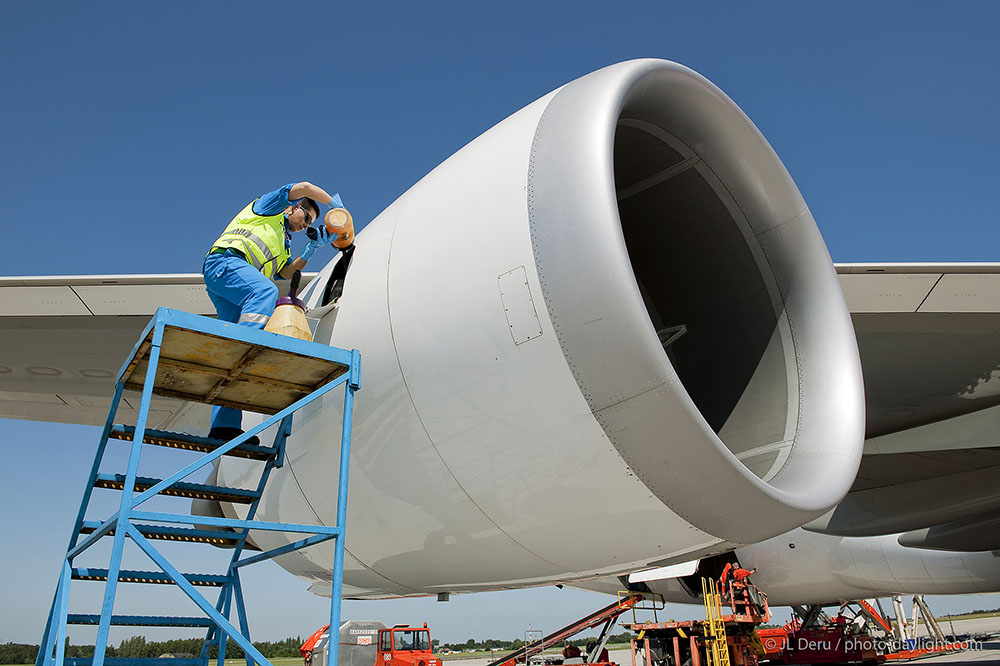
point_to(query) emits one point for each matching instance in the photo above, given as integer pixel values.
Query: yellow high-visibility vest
(261, 239)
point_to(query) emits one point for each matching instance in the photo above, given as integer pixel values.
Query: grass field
(970, 616)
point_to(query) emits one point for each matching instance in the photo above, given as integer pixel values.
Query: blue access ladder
(199, 359)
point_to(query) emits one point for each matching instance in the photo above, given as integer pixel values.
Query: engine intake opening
(692, 221)
(697, 265)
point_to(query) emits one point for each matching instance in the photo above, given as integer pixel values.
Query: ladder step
(214, 537)
(180, 489)
(123, 661)
(177, 440)
(157, 577)
(142, 620)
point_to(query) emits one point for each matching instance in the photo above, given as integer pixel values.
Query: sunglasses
(305, 211)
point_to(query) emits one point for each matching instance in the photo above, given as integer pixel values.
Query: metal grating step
(180, 489)
(142, 620)
(214, 537)
(177, 440)
(154, 577)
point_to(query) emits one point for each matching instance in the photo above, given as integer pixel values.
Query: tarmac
(985, 653)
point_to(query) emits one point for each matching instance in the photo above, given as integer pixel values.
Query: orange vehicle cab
(405, 646)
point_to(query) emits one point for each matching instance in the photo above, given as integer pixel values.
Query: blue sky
(133, 132)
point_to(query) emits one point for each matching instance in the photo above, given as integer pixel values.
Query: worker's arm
(306, 189)
(296, 264)
(322, 237)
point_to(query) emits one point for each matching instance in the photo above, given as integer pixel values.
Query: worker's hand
(322, 238)
(335, 202)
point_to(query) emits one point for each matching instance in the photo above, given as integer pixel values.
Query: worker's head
(301, 214)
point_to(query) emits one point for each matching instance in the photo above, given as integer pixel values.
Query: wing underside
(929, 338)
(63, 340)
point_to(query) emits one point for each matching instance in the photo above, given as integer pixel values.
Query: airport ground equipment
(726, 637)
(372, 644)
(358, 644)
(198, 359)
(608, 616)
(402, 645)
(860, 633)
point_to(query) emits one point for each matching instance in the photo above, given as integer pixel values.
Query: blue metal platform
(198, 359)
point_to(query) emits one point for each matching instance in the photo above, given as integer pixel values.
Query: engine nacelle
(802, 567)
(605, 334)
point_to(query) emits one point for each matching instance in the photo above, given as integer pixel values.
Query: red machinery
(836, 643)
(727, 637)
(400, 645)
(866, 637)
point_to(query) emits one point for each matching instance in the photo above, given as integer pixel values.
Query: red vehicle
(372, 643)
(405, 646)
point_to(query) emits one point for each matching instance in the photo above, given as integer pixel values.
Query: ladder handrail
(715, 639)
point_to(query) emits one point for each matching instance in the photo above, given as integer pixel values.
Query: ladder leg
(284, 430)
(110, 588)
(64, 580)
(62, 588)
(96, 467)
(45, 647)
(338, 552)
(212, 635)
(114, 567)
(241, 610)
(223, 638)
(48, 643)
(207, 644)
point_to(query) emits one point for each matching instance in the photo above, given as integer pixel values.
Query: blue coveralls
(240, 293)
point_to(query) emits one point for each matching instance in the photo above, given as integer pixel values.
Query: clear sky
(132, 132)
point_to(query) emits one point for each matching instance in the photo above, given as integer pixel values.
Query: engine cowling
(605, 334)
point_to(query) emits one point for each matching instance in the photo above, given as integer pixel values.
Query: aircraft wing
(63, 340)
(928, 334)
(929, 337)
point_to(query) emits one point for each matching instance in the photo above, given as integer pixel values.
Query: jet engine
(604, 335)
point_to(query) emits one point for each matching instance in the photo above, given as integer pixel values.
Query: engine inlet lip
(627, 388)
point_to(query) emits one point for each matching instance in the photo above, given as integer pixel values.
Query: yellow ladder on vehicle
(716, 648)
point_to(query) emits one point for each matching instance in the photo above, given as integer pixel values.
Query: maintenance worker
(592, 647)
(727, 574)
(254, 248)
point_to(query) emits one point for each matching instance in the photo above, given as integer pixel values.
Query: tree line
(138, 647)
(497, 644)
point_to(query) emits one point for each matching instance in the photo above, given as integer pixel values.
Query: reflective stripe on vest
(259, 242)
(261, 239)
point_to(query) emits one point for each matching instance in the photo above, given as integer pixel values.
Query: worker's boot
(226, 434)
